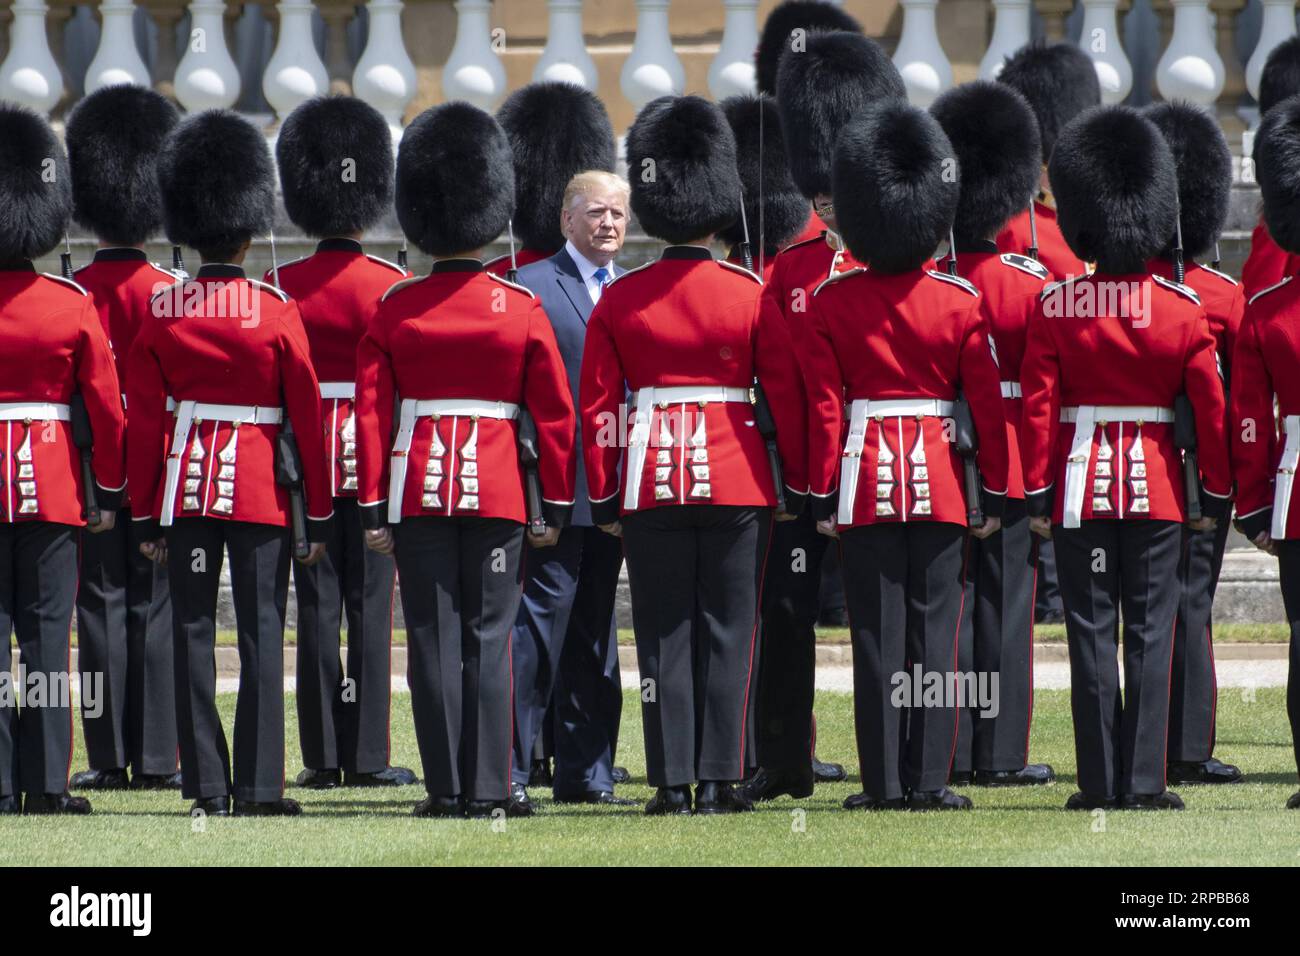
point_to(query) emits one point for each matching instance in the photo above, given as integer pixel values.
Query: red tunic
(1010, 286)
(1091, 342)
(916, 335)
(1222, 299)
(1264, 367)
(798, 271)
(526, 256)
(462, 333)
(337, 290)
(1052, 250)
(54, 347)
(224, 339)
(687, 320)
(1267, 264)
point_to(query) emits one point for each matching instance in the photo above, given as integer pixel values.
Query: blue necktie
(601, 275)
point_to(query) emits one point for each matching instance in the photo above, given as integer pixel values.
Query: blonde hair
(591, 180)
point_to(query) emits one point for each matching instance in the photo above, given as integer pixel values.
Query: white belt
(1085, 419)
(1285, 478)
(861, 409)
(1012, 390)
(644, 401)
(36, 411)
(412, 410)
(187, 413)
(338, 390)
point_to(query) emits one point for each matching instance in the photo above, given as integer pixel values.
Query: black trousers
(38, 586)
(565, 657)
(345, 724)
(124, 637)
(259, 580)
(788, 645)
(461, 584)
(1109, 568)
(696, 573)
(1194, 693)
(904, 583)
(1047, 595)
(997, 638)
(1288, 560)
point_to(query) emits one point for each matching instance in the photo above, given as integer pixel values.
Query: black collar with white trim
(457, 265)
(220, 270)
(121, 254)
(338, 244)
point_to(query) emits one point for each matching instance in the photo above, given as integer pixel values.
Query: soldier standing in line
(124, 615)
(218, 368)
(1268, 263)
(335, 159)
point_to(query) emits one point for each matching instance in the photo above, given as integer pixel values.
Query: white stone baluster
(919, 57)
(474, 72)
(116, 60)
(1010, 33)
(30, 75)
(565, 58)
(385, 76)
(1191, 68)
(652, 68)
(732, 70)
(206, 77)
(295, 72)
(1100, 39)
(1277, 24)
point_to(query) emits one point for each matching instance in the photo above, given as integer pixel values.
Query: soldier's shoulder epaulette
(497, 260)
(1058, 284)
(269, 289)
(67, 282)
(1275, 286)
(804, 242)
(384, 262)
(741, 269)
(627, 272)
(398, 286)
(1222, 275)
(1026, 264)
(514, 285)
(167, 272)
(291, 262)
(1178, 287)
(954, 280)
(837, 277)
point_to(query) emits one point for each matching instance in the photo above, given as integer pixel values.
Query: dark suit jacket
(558, 285)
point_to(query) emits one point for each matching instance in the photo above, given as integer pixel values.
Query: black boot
(860, 801)
(432, 806)
(716, 796)
(943, 799)
(156, 781)
(824, 772)
(1294, 802)
(1030, 775)
(669, 800)
(210, 807)
(1204, 771)
(284, 807)
(1168, 800)
(388, 777)
(52, 803)
(770, 784)
(1085, 801)
(99, 780)
(319, 779)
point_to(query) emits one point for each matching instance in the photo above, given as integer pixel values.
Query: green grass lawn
(1236, 825)
(1046, 633)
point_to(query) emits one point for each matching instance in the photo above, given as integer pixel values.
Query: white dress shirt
(587, 269)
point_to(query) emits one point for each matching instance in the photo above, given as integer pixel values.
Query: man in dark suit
(564, 637)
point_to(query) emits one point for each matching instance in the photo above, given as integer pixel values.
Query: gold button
(703, 403)
(236, 423)
(663, 404)
(436, 416)
(880, 418)
(1139, 423)
(473, 418)
(27, 421)
(1102, 424)
(919, 416)
(198, 421)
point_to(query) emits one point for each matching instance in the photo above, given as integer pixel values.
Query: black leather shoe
(518, 805)
(828, 772)
(388, 777)
(284, 807)
(10, 805)
(1294, 802)
(770, 784)
(99, 780)
(943, 799)
(42, 803)
(669, 800)
(319, 779)
(539, 774)
(156, 781)
(210, 807)
(620, 775)
(439, 807)
(1086, 801)
(1151, 801)
(604, 797)
(1031, 775)
(1204, 771)
(961, 778)
(860, 801)
(715, 796)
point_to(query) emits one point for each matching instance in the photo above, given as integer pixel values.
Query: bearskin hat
(775, 40)
(784, 210)
(556, 131)
(1277, 169)
(1280, 78)
(1058, 80)
(317, 142)
(35, 195)
(1203, 165)
(455, 179)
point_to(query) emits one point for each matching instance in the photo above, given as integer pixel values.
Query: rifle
(968, 443)
(288, 475)
(528, 457)
(767, 428)
(1185, 439)
(84, 440)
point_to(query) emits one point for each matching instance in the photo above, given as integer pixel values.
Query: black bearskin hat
(806, 15)
(1203, 165)
(1058, 80)
(785, 210)
(35, 193)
